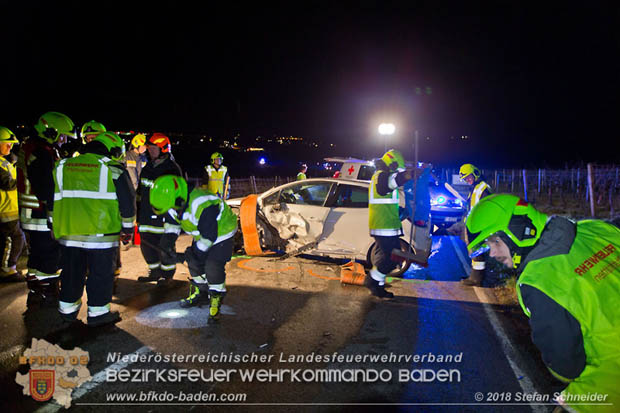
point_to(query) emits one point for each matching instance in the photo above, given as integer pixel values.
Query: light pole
(415, 145)
(386, 129)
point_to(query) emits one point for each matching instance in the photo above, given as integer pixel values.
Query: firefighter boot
(11, 276)
(217, 297)
(32, 284)
(376, 289)
(475, 278)
(110, 317)
(197, 296)
(51, 292)
(154, 275)
(42, 292)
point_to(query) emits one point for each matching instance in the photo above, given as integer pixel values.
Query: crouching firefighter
(479, 190)
(212, 224)
(568, 285)
(93, 207)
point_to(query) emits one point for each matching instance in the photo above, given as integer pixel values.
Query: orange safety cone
(136, 236)
(352, 273)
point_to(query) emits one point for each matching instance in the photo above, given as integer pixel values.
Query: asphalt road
(287, 312)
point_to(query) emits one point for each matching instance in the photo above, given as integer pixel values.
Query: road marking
(409, 280)
(97, 379)
(509, 351)
(323, 277)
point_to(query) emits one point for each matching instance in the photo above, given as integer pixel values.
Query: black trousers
(215, 262)
(44, 252)
(153, 255)
(100, 265)
(381, 254)
(12, 243)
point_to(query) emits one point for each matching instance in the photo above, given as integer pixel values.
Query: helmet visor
(480, 250)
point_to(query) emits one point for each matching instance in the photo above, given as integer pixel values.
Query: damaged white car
(325, 217)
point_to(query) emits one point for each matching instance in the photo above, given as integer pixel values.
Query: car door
(346, 228)
(298, 211)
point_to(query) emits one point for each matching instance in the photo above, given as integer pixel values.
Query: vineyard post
(591, 189)
(578, 181)
(611, 200)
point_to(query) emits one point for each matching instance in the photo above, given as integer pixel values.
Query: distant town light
(262, 161)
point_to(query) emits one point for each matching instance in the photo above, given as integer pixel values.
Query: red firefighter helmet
(161, 140)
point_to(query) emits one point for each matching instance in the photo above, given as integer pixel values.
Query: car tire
(264, 234)
(402, 267)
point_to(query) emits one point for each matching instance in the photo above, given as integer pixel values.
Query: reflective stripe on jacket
(200, 199)
(86, 212)
(477, 192)
(383, 219)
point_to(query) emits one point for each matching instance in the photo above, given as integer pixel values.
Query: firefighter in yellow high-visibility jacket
(479, 189)
(216, 175)
(12, 238)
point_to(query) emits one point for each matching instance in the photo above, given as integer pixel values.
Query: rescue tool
(180, 256)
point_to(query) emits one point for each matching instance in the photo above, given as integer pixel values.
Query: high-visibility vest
(86, 212)
(586, 282)
(477, 192)
(216, 179)
(383, 219)
(199, 199)
(301, 176)
(9, 210)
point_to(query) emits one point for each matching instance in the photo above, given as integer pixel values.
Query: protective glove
(12, 157)
(402, 177)
(126, 235)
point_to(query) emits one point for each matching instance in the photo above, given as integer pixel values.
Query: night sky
(529, 83)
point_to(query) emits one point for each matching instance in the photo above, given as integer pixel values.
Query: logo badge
(42, 384)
